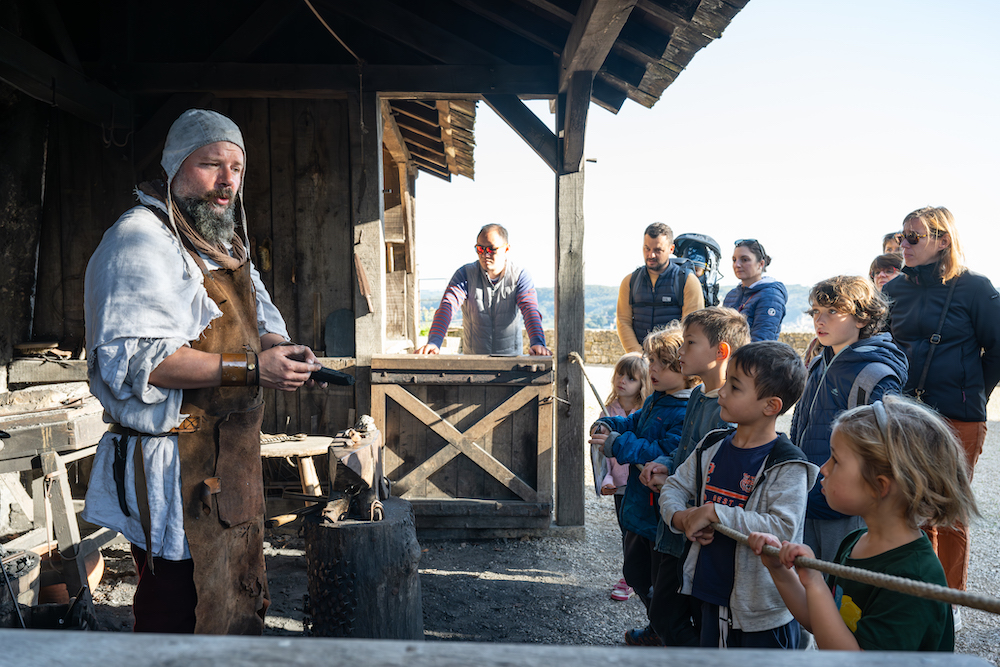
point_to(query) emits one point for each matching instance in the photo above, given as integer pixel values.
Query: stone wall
(602, 347)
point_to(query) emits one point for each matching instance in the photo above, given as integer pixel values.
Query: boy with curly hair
(645, 435)
(857, 366)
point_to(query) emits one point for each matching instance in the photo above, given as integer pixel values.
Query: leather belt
(189, 425)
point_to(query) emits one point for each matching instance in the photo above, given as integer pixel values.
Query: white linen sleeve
(269, 320)
(119, 378)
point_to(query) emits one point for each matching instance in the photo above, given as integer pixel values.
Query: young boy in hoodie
(744, 478)
(711, 335)
(857, 366)
(646, 434)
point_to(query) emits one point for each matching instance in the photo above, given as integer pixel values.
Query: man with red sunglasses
(490, 291)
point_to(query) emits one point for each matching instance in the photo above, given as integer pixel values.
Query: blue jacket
(966, 364)
(701, 417)
(763, 304)
(826, 395)
(643, 436)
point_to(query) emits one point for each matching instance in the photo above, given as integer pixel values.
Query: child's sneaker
(621, 591)
(642, 637)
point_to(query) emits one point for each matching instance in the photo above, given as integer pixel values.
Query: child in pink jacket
(628, 391)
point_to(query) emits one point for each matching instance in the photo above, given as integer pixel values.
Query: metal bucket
(22, 569)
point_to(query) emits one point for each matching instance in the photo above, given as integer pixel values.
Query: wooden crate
(468, 440)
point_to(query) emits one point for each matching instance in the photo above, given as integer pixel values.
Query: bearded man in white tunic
(182, 336)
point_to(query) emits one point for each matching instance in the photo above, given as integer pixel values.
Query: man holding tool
(181, 337)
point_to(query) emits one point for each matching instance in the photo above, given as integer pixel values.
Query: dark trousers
(164, 601)
(638, 566)
(675, 617)
(618, 515)
(785, 636)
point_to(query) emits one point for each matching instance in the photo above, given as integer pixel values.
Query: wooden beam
(59, 34)
(575, 121)
(414, 31)
(447, 134)
(434, 157)
(528, 126)
(554, 8)
(520, 21)
(48, 80)
(44, 371)
(417, 139)
(569, 311)
(415, 109)
(111, 649)
(411, 124)
(606, 95)
(592, 36)
(659, 11)
(392, 137)
(237, 47)
(365, 118)
(311, 80)
(431, 168)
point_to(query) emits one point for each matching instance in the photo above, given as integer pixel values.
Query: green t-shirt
(884, 620)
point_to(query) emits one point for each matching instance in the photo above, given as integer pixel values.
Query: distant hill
(601, 300)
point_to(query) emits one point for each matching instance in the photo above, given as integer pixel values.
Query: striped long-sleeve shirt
(457, 292)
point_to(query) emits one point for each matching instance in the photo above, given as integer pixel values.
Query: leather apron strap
(142, 499)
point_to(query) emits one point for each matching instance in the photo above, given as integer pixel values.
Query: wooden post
(569, 307)
(365, 114)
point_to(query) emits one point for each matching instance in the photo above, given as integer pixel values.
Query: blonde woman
(946, 319)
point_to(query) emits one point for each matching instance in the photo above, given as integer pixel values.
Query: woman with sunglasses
(946, 319)
(760, 299)
(884, 268)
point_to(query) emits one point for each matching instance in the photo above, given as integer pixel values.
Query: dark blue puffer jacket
(826, 395)
(763, 304)
(966, 364)
(643, 436)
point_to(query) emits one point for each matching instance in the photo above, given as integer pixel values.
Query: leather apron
(220, 467)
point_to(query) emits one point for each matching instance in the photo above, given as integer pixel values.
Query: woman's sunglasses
(751, 243)
(912, 238)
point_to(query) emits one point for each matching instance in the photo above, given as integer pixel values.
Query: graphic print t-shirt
(730, 479)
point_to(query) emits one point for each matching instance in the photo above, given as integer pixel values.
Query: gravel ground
(552, 590)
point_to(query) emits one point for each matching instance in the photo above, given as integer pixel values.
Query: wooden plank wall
(298, 210)
(88, 185)
(23, 124)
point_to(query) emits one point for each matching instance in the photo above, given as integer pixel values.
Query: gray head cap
(196, 128)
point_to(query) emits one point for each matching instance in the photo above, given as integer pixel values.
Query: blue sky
(814, 127)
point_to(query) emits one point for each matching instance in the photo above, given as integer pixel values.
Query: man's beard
(215, 225)
(657, 267)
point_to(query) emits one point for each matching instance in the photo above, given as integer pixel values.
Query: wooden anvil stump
(363, 576)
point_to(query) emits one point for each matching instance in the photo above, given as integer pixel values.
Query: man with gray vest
(661, 291)
(490, 291)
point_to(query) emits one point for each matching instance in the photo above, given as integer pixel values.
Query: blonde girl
(898, 465)
(628, 390)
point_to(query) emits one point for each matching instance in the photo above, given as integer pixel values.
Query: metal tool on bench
(357, 482)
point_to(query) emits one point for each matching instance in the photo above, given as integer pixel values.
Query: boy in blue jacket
(645, 435)
(711, 336)
(857, 366)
